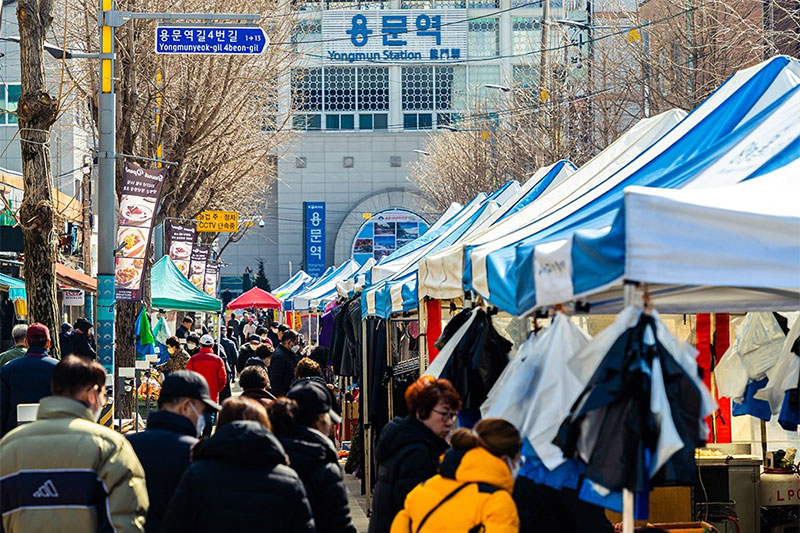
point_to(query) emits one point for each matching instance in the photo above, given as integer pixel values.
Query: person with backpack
(409, 448)
(472, 491)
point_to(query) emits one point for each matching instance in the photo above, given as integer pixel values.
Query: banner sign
(402, 35)
(314, 257)
(197, 267)
(180, 241)
(141, 189)
(211, 279)
(73, 298)
(218, 221)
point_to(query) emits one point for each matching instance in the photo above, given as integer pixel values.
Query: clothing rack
(406, 367)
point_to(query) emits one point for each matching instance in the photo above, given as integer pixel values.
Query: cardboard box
(686, 527)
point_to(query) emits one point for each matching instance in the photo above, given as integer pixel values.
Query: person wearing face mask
(192, 347)
(472, 491)
(212, 368)
(164, 447)
(284, 361)
(409, 448)
(178, 358)
(64, 472)
(247, 351)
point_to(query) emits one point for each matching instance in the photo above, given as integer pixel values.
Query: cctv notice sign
(218, 221)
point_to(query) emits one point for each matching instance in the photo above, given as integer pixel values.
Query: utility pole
(545, 41)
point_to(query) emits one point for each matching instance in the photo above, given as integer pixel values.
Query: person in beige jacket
(64, 472)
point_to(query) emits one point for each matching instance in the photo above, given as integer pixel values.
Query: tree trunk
(37, 112)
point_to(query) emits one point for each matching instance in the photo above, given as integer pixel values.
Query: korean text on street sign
(194, 39)
(218, 221)
(314, 216)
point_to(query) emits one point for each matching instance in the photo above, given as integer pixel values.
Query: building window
(484, 37)
(340, 89)
(9, 96)
(526, 34)
(429, 90)
(373, 89)
(433, 4)
(484, 4)
(482, 97)
(307, 89)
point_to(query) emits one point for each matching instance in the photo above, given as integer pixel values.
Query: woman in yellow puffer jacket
(472, 492)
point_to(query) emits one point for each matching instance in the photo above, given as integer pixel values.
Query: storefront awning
(74, 278)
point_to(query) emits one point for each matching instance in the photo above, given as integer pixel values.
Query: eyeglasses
(447, 415)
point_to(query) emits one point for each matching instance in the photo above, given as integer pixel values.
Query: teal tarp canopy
(16, 287)
(171, 290)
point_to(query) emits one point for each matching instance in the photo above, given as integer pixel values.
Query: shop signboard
(385, 232)
(398, 36)
(73, 298)
(180, 241)
(211, 279)
(197, 266)
(141, 190)
(314, 257)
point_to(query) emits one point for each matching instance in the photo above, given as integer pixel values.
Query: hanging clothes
(784, 378)
(326, 330)
(642, 414)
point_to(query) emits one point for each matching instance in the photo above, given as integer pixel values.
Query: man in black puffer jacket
(163, 448)
(302, 422)
(239, 481)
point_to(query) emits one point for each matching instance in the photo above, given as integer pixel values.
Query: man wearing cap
(26, 379)
(247, 351)
(80, 339)
(210, 366)
(18, 334)
(164, 447)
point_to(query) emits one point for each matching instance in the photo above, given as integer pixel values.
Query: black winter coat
(281, 371)
(239, 482)
(312, 456)
(407, 454)
(25, 379)
(245, 353)
(163, 449)
(81, 345)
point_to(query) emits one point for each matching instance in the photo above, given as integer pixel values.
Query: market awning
(73, 278)
(15, 287)
(257, 298)
(171, 290)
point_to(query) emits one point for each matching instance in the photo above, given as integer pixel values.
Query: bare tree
(37, 111)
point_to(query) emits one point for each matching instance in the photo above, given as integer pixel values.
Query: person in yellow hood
(472, 492)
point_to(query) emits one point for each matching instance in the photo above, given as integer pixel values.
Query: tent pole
(390, 391)
(422, 317)
(627, 495)
(366, 429)
(318, 315)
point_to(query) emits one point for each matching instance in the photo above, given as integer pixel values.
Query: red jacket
(211, 367)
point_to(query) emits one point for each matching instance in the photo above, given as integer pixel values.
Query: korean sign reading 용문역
(218, 221)
(394, 35)
(141, 189)
(314, 216)
(222, 40)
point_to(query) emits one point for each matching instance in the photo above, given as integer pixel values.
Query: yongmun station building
(374, 80)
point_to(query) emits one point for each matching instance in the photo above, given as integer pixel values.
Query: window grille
(484, 37)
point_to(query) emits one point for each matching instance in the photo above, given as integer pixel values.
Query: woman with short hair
(409, 448)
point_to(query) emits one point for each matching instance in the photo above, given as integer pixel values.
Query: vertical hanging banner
(211, 278)
(180, 241)
(314, 222)
(197, 267)
(141, 189)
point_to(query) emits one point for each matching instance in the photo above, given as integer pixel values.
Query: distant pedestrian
(164, 447)
(249, 327)
(472, 491)
(247, 351)
(239, 480)
(185, 328)
(178, 357)
(192, 344)
(66, 473)
(303, 423)
(409, 448)
(80, 337)
(211, 367)
(229, 338)
(262, 357)
(255, 384)
(26, 379)
(307, 368)
(19, 349)
(65, 339)
(284, 361)
(273, 333)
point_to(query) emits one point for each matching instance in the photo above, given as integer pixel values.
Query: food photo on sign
(180, 244)
(141, 191)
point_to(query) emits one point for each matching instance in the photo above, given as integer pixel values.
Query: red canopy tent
(255, 297)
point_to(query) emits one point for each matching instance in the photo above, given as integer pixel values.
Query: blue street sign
(222, 40)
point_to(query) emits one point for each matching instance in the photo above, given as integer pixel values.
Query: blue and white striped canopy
(292, 285)
(320, 294)
(746, 128)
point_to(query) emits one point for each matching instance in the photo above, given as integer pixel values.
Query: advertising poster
(141, 189)
(211, 278)
(180, 241)
(197, 266)
(386, 232)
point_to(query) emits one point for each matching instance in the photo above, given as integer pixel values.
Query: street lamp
(447, 127)
(55, 51)
(422, 152)
(504, 88)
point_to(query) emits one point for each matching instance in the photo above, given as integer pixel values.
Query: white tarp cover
(321, 294)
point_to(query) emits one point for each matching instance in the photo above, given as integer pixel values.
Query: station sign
(394, 36)
(196, 39)
(218, 221)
